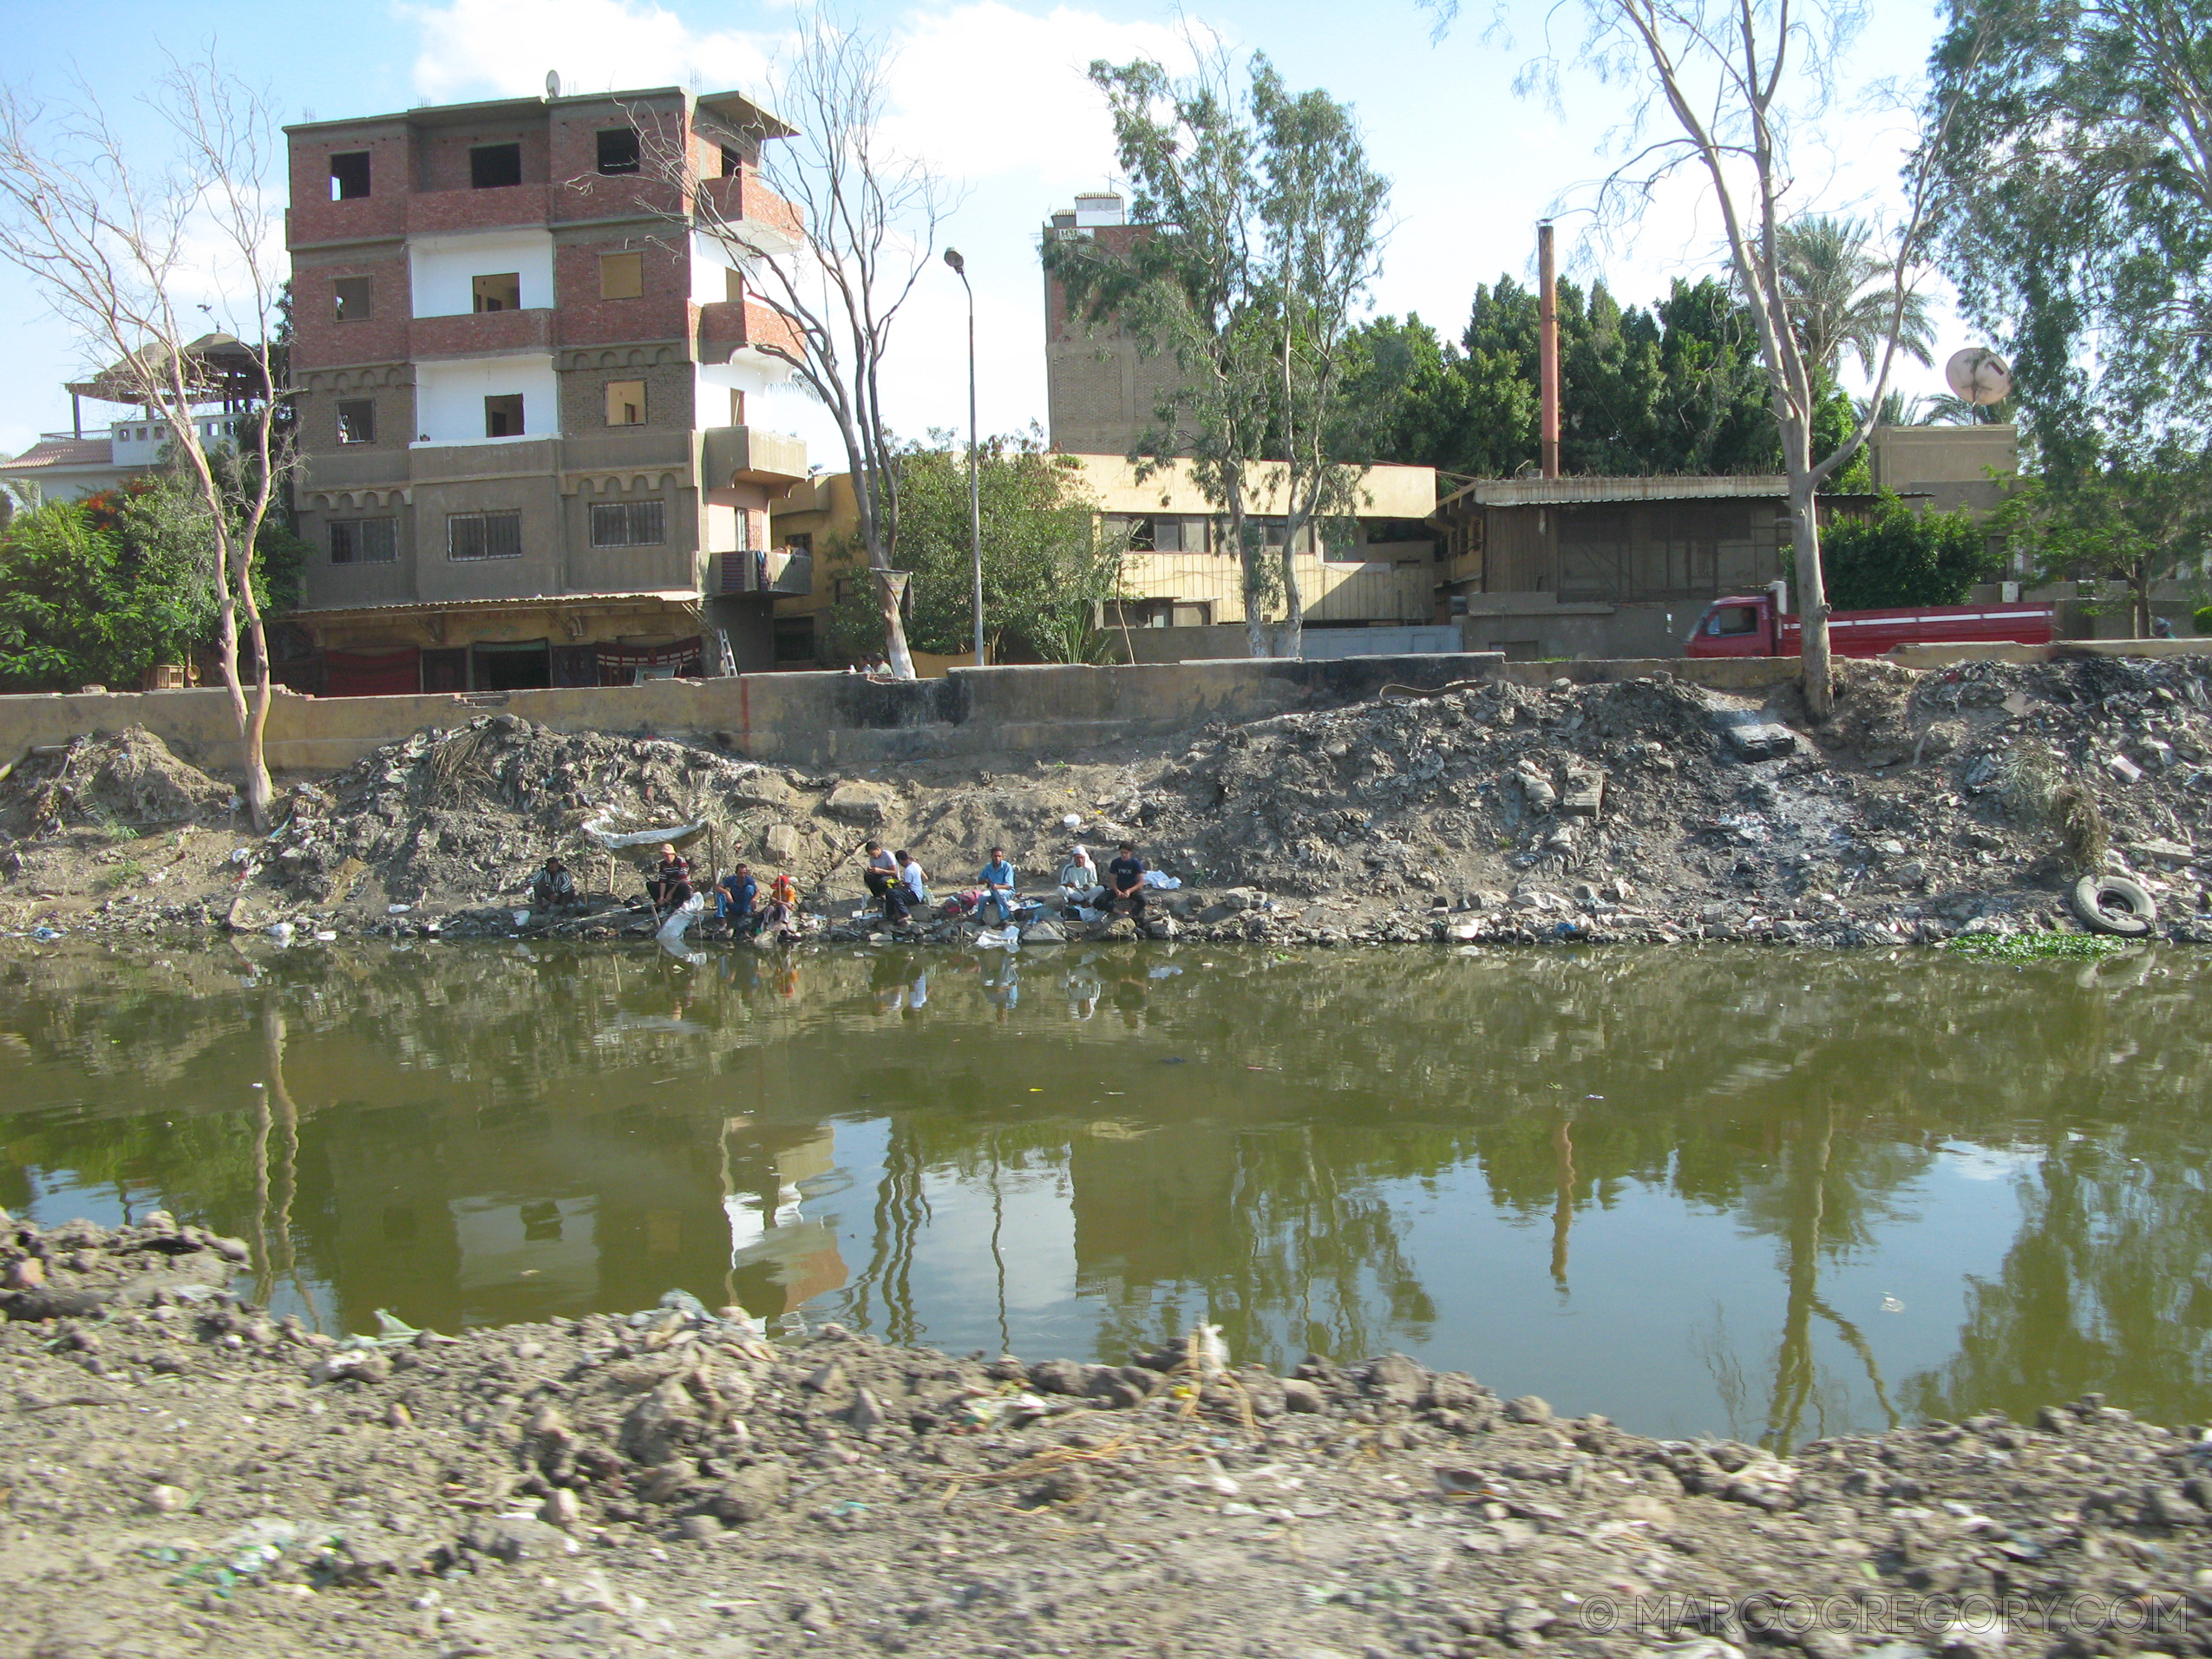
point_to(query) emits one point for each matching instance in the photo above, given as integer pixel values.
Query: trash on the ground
(1164, 882)
(680, 919)
(601, 830)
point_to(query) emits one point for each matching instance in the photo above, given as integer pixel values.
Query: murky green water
(1748, 1192)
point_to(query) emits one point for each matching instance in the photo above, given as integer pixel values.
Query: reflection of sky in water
(926, 1153)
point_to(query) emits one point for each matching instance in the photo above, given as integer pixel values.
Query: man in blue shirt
(998, 879)
(734, 900)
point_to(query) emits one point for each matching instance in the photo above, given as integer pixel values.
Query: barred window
(629, 524)
(363, 541)
(483, 535)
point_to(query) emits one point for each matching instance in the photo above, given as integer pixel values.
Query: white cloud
(985, 90)
(503, 48)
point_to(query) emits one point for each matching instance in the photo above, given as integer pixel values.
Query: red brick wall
(442, 158)
(586, 193)
(382, 212)
(660, 313)
(321, 339)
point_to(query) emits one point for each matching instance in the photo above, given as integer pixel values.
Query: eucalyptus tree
(1258, 233)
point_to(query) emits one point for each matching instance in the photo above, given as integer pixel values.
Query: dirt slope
(1646, 809)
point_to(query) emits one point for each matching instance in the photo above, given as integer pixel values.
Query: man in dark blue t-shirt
(1125, 882)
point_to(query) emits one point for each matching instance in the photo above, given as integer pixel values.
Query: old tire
(2115, 904)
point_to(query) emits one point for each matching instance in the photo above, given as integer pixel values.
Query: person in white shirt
(913, 878)
(1079, 882)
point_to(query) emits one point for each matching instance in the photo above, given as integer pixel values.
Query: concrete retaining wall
(798, 719)
(849, 720)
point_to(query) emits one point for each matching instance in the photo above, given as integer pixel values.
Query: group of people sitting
(738, 897)
(897, 881)
(895, 878)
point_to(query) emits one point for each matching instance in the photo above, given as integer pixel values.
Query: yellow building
(1180, 571)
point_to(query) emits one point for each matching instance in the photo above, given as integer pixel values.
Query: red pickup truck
(1759, 624)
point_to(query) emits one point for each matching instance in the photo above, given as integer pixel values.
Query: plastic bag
(680, 919)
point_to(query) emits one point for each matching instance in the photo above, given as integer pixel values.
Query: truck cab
(1741, 625)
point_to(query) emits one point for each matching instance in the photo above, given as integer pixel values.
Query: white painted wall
(711, 259)
(449, 397)
(440, 268)
(747, 371)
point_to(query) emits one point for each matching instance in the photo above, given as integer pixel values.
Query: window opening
(503, 416)
(356, 298)
(358, 420)
(625, 403)
(618, 150)
(495, 166)
(484, 535)
(350, 175)
(364, 541)
(622, 275)
(629, 524)
(502, 292)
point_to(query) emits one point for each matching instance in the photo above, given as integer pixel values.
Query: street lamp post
(975, 484)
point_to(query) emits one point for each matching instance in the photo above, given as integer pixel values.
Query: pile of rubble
(1498, 812)
(188, 1474)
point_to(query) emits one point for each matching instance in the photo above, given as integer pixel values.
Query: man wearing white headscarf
(1079, 882)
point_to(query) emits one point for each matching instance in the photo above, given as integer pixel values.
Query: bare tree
(123, 254)
(1726, 82)
(866, 228)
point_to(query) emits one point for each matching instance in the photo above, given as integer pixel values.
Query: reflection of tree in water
(1302, 1253)
(1802, 1098)
(2108, 1284)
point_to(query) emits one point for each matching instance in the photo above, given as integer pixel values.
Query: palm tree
(1945, 409)
(1896, 410)
(1839, 292)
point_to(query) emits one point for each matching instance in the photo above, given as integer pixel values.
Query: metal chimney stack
(1547, 346)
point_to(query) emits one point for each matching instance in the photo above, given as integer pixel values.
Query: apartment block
(1102, 393)
(521, 366)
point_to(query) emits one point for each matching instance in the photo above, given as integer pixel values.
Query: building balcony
(783, 571)
(479, 333)
(430, 213)
(617, 447)
(741, 198)
(732, 455)
(730, 329)
(352, 468)
(432, 463)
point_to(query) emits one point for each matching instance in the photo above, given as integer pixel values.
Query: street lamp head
(953, 259)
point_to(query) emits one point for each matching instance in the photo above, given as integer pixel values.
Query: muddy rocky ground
(180, 1475)
(1498, 812)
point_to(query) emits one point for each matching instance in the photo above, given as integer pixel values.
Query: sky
(992, 94)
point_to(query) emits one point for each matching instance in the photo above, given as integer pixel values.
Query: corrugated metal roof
(1571, 491)
(401, 607)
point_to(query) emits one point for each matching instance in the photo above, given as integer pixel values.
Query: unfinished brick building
(522, 372)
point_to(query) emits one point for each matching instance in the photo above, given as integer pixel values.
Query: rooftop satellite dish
(553, 83)
(1977, 376)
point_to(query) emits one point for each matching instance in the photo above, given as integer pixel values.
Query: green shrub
(1900, 557)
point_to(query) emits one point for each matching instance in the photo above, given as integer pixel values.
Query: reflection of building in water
(779, 1257)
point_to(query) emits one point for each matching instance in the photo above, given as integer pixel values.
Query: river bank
(185, 1475)
(1933, 803)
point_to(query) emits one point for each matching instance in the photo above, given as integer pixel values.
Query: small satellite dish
(553, 83)
(1978, 376)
